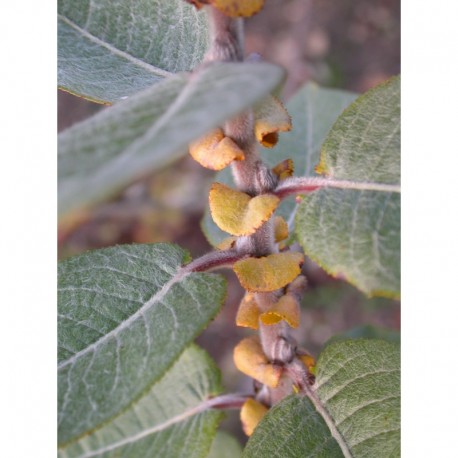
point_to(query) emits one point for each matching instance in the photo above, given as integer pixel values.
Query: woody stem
(253, 177)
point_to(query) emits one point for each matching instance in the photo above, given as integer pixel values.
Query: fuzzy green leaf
(110, 50)
(125, 314)
(169, 419)
(358, 392)
(152, 128)
(355, 234)
(313, 111)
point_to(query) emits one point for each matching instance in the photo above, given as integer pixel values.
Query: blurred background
(350, 44)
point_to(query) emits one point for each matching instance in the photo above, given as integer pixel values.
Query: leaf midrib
(203, 406)
(179, 275)
(118, 52)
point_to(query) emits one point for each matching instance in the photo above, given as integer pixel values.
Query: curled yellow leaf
(287, 308)
(215, 151)
(238, 8)
(284, 169)
(271, 117)
(248, 312)
(280, 229)
(251, 414)
(238, 213)
(251, 360)
(269, 273)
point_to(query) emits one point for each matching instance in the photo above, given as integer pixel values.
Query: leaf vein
(117, 52)
(349, 382)
(363, 406)
(157, 297)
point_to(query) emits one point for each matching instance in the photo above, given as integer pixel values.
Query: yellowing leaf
(238, 213)
(268, 273)
(271, 117)
(251, 414)
(284, 169)
(215, 151)
(280, 228)
(248, 312)
(287, 308)
(238, 8)
(251, 360)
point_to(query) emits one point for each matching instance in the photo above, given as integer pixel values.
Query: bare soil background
(349, 44)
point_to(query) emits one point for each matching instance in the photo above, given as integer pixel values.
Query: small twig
(228, 401)
(305, 185)
(214, 260)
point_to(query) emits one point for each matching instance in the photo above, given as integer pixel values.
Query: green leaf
(225, 446)
(110, 50)
(292, 429)
(125, 314)
(357, 395)
(152, 128)
(313, 111)
(355, 234)
(170, 419)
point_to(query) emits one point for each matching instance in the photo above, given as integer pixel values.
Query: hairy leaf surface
(152, 128)
(355, 234)
(110, 50)
(169, 419)
(358, 389)
(313, 111)
(125, 314)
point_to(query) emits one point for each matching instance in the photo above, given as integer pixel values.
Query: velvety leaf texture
(125, 314)
(355, 234)
(110, 50)
(313, 111)
(358, 381)
(152, 128)
(364, 143)
(169, 419)
(358, 388)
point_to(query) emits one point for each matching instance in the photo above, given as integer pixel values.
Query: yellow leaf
(215, 151)
(238, 8)
(280, 228)
(238, 213)
(271, 117)
(284, 169)
(248, 312)
(251, 360)
(268, 273)
(251, 414)
(287, 308)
